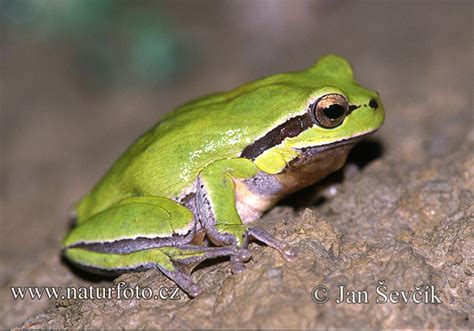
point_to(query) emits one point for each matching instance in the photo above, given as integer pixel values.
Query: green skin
(214, 165)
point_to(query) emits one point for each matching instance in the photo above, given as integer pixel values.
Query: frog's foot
(289, 253)
(186, 257)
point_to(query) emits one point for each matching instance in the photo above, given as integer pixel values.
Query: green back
(167, 158)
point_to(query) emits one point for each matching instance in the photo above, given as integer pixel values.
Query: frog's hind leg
(139, 233)
(171, 261)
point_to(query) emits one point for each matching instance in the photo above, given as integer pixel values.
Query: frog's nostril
(373, 104)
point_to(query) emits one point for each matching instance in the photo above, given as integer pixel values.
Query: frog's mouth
(292, 128)
(313, 150)
(315, 163)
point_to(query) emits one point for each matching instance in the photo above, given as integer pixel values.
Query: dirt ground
(402, 215)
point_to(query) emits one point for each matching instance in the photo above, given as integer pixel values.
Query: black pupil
(334, 111)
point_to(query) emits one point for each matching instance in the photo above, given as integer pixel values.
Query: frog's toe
(289, 253)
(236, 266)
(243, 255)
(183, 280)
(239, 258)
(194, 290)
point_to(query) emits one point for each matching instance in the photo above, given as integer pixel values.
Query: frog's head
(338, 107)
(332, 111)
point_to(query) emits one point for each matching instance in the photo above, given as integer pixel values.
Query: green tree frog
(189, 188)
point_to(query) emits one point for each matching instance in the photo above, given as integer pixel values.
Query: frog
(190, 188)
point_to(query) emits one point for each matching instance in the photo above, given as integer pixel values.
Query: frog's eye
(330, 110)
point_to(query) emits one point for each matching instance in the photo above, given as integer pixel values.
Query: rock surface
(401, 225)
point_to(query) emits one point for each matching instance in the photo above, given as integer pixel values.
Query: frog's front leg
(217, 208)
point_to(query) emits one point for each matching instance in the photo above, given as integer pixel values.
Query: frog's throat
(257, 194)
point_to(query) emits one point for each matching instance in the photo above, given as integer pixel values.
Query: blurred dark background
(81, 79)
